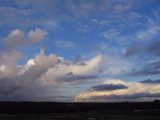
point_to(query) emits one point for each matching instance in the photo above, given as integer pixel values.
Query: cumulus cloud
(133, 91)
(17, 38)
(36, 35)
(42, 76)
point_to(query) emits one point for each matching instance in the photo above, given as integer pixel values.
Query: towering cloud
(41, 76)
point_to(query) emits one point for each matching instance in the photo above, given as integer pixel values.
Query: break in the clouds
(64, 50)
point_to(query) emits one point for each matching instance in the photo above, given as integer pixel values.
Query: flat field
(92, 115)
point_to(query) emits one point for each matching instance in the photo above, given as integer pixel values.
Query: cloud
(65, 44)
(147, 69)
(133, 16)
(138, 97)
(42, 76)
(82, 9)
(8, 65)
(106, 87)
(17, 39)
(70, 77)
(145, 92)
(133, 50)
(110, 34)
(114, 65)
(120, 8)
(151, 49)
(77, 72)
(150, 32)
(150, 66)
(36, 35)
(150, 81)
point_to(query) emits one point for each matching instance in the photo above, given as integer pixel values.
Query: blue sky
(69, 49)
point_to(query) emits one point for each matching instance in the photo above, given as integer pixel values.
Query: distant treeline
(61, 107)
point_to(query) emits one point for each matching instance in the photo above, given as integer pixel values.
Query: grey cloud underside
(7, 87)
(76, 78)
(133, 97)
(145, 72)
(28, 87)
(106, 87)
(151, 49)
(150, 81)
(149, 69)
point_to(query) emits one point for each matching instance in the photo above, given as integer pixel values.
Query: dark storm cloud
(106, 87)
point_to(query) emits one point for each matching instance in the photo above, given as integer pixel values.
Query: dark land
(80, 111)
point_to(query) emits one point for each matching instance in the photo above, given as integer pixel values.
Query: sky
(79, 50)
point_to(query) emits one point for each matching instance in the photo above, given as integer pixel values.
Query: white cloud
(135, 91)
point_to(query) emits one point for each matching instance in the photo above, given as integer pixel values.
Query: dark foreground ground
(94, 115)
(79, 111)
